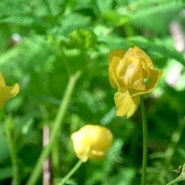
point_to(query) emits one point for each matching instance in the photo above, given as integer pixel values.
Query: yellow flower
(6, 92)
(132, 73)
(93, 138)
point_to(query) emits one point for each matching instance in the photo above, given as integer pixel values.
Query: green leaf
(115, 18)
(5, 172)
(104, 5)
(72, 22)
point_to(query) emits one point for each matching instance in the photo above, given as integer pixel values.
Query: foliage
(44, 42)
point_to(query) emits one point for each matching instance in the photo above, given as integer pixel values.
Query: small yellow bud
(93, 138)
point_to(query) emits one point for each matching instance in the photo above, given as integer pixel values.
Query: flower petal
(150, 84)
(7, 92)
(2, 81)
(115, 58)
(153, 80)
(133, 75)
(125, 104)
(146, 60)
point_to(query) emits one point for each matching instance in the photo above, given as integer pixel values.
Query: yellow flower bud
(93, 138)
(133, 73)
(7, 92)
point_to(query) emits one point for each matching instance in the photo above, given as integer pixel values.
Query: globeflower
(93, 140)
(132, 73)
(7, 92)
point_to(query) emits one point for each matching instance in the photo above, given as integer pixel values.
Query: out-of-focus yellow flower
(93, 138)
(133, 73)
(6, 92)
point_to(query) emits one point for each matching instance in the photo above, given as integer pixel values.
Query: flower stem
(174, 181)
(56, 128)
(145, 142)
(181, 177)
(71, 172)
(76, 167)
(13, 151)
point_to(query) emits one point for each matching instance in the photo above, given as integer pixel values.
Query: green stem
(13, 151)
(76, 167)
(71, 172)
(55, 130)
(145, 143)
(181, 177)
(174, 181)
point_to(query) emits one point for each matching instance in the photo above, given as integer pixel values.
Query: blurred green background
(44, 42)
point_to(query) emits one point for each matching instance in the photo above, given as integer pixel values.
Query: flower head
(93, 138)
(7, 92)
(132, 73)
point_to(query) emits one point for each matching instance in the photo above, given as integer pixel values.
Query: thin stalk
(181, 177)
(13, 151)
(76, 167)
(174, 181)
(145, 143)
(55, 130)
(71, 172)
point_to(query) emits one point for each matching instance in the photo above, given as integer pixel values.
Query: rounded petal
(115, 58)
(125, 104)
(7, 92)
(150, 84)
(2, 81)
(153, 80)
(94, 137)
(133, 75)
(132, 69)
(145, 59)
(15, 89)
